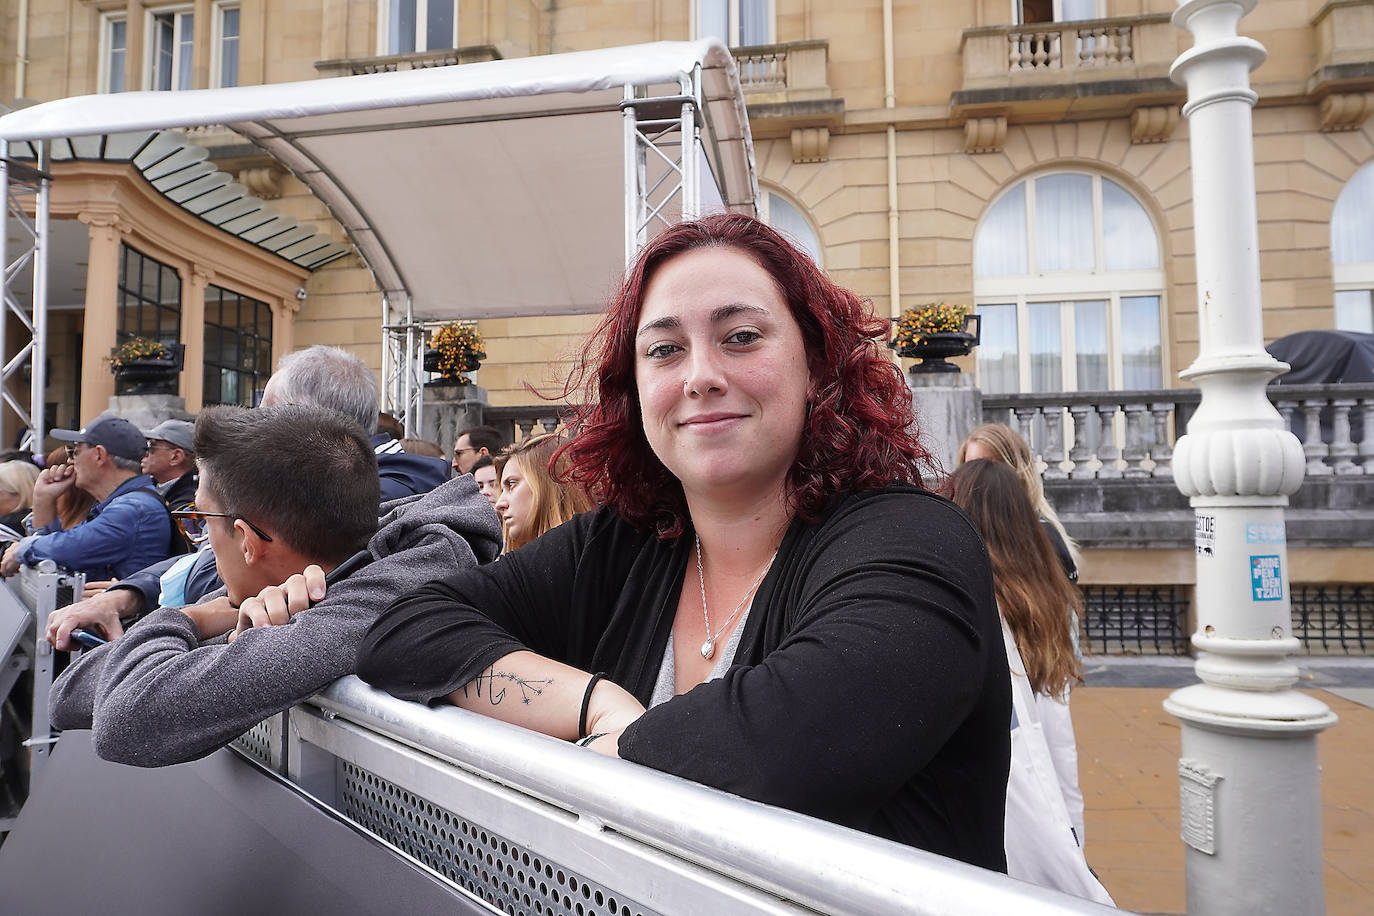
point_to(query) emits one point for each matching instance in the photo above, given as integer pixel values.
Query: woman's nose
(704, 374)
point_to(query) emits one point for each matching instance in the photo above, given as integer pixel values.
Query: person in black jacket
(171, 461)
(774, 604)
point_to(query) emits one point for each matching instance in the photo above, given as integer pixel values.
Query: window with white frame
(1352, 252)
(787, 217)
(114, 51)
(1031, 11)
(171, 32)
(738, 23)
(224, 54)
(408, 26)
(1068, 282)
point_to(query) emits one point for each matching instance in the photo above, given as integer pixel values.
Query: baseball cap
(118, 435)
(178, 432)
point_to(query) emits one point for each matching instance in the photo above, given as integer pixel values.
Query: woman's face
(516, 503)
(8, 502)
(721, 370)
(976, 451)
(487, 482)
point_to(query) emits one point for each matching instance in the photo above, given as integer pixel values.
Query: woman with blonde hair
(532, 501)
(995, 442)
(16, 497)
(1044, 804)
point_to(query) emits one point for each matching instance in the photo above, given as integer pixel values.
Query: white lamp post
(1250, 801)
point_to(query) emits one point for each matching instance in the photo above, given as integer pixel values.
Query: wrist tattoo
(495, 694)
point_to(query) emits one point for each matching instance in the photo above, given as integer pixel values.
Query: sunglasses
(193, 524)
(74, 449)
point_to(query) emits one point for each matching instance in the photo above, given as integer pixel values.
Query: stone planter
(150, 376)
(430, 363)
(934, 350)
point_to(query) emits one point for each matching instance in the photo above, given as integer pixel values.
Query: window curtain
(997, 359)
(788, 220)
(1140, 347)
(1064, 223)
(1355, 310)
(713, 19)
(753, 22)
(1046, 347)
(439, 25)
(999, 246)
(1128, 237)
(1090, 346)
(1352, 220)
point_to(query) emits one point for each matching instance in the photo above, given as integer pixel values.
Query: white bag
(1041, 848)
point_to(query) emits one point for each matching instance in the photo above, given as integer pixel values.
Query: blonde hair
(1006, 445)
(18, 477)
(554, 502)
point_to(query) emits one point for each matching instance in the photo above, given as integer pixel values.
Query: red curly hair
(859, 433)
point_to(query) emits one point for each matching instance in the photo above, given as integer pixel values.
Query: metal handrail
(806, 861)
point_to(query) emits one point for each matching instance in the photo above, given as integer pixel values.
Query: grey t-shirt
(667, 672)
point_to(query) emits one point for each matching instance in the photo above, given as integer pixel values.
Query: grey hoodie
(158, 696)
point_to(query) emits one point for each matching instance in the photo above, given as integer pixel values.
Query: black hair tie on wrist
(587, 702)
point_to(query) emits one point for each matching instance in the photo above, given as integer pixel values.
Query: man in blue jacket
(127, 529)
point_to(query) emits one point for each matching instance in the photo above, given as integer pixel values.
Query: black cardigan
(870, 687)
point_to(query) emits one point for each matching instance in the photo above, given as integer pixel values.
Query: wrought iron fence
(1135, 619)
(1334, 619)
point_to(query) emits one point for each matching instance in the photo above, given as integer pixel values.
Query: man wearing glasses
(184, 682)
(126, 530)
(170, 459)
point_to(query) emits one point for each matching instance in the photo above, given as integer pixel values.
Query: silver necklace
(708, 648)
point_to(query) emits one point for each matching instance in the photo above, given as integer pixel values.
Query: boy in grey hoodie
(281, 488)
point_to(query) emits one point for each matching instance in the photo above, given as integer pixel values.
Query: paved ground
(1128, 757)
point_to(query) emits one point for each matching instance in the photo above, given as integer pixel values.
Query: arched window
(1068, 282)
(788, 218)
(1352, 252)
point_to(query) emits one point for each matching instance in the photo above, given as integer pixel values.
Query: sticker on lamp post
(1266, 578)
(1205, 534)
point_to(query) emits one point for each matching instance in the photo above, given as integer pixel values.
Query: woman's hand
(277, 604)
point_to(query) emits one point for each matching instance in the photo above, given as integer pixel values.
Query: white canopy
(485, 190)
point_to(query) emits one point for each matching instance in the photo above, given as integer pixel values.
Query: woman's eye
(661, 350)
(743, 338)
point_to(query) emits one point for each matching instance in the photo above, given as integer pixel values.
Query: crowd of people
(737, 563)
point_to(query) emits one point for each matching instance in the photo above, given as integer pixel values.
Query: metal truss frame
(661, 138)
(21, 182)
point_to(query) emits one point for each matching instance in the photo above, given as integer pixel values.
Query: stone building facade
(1025, 155)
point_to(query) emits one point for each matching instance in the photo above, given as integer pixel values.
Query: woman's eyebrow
(719, 314)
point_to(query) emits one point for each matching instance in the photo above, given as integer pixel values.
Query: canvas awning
(485, 190)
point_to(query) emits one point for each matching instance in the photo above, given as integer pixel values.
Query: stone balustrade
(1130, 434)
(1130, 47)
(419, 60)
(520, 422)
(795, 70)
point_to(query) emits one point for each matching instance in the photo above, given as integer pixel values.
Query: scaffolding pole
(24, 183)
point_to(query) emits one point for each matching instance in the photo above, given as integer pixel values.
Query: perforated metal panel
(257, 743)
(505, 874)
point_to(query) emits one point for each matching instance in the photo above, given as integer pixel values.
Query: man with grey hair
(330, 377)
(170, 459)
(127, 528)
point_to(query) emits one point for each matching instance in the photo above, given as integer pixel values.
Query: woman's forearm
(546, 696)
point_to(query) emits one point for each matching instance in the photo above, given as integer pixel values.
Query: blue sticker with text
(1264, 533)
(1266, 578)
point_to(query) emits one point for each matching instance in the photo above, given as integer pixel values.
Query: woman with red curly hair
(806, 625)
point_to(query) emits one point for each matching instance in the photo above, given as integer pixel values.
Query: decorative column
(194, 280)
(102, 312)
(1248, 778)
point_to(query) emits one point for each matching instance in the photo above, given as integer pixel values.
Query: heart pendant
(708, 648)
